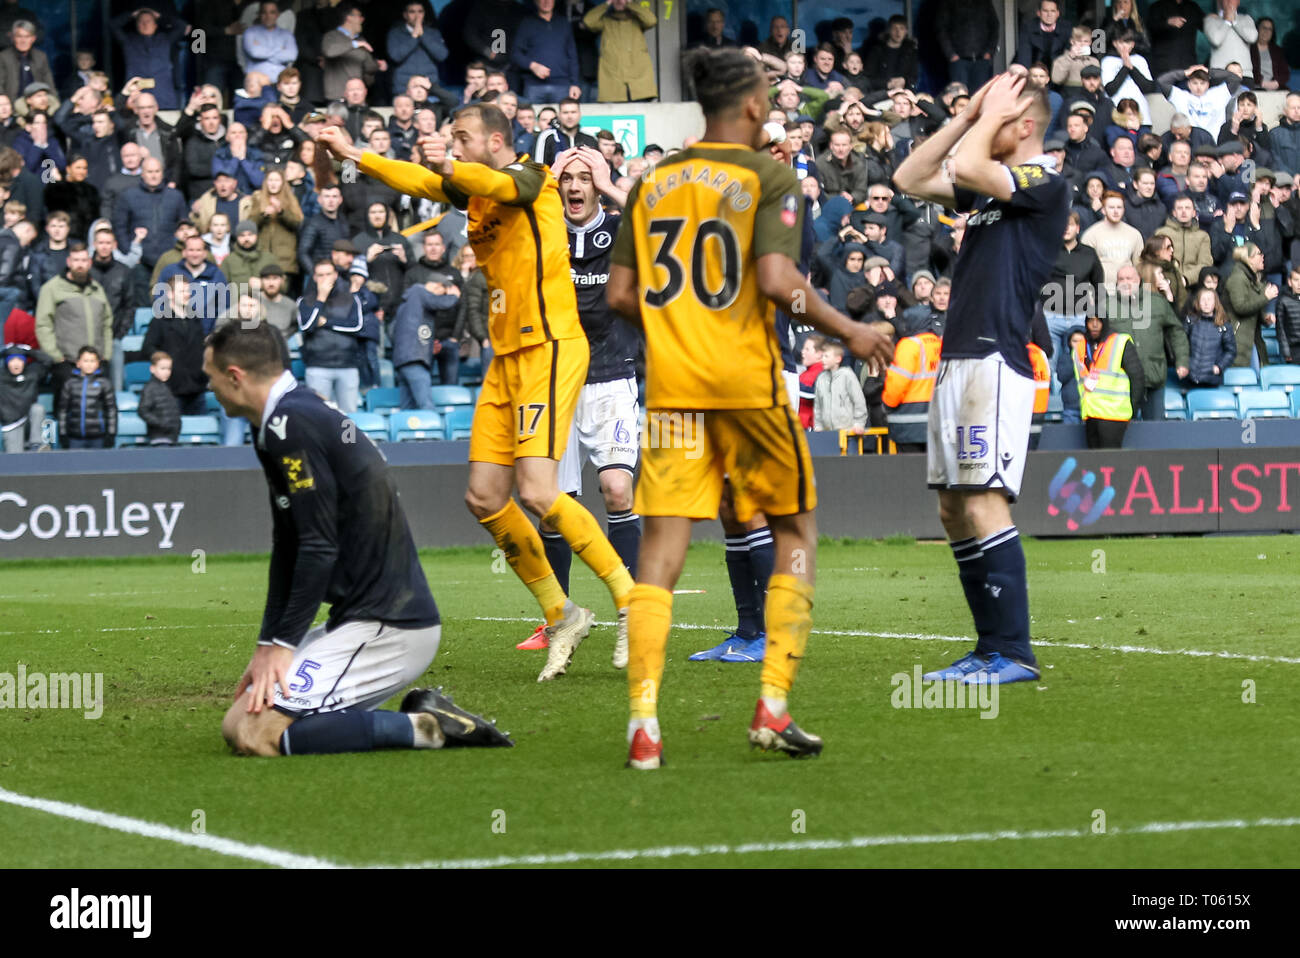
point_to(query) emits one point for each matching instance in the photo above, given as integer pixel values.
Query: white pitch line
(135, 826)
(838, 844)
(136, 628)
(926, 637)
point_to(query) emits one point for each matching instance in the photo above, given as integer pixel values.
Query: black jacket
(181, 338)
(882, 62)
(17, 393)
(1288, 324)
(196, 156)
(335, 344)
(1076, 276)
(1144, 215)
(160, 410)
(116, 280)
(89, 407)
(317, 238)
(79, 200)
(1208, 346)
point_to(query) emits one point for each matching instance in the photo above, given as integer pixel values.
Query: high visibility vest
(1109, 397)
(1042, 377)
(909, 384)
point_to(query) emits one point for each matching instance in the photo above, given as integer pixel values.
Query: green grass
(1140, 736)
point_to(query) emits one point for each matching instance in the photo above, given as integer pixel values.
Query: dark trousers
(1105, 433)
(1153, 405)
(973, 73)
(60, 373)
(448, 360)
(195, 405)
(97, 443)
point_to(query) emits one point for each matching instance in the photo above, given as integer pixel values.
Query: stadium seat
(132, 343)
(1240, 378)
(298, 368)
(384, 399)
(1055, 409)
(131, 430)
(458, 420)
(136, 375)
(1212, 404)
(1265, 404)
(200, 431)
(412, 424)
(372, 424)
(1274, 350)
(127, 402)
(1295, 404)
(471, 372)
(1175, 405)
(141, 321)
(387, 375)
(210, 403)
(47, 400)
(447, 396)
(1280, 377)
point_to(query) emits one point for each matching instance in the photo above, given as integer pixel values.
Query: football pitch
(1165, 730)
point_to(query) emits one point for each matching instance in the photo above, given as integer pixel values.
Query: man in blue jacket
(546, 54)
(413, 48)
(152, 205)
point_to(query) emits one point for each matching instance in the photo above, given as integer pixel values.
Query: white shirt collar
(591, 224)
(281, 386)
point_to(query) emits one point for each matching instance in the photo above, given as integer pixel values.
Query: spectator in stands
(158, 407)
(150, 204)
(1081, 150)
(838, 402)
(239, 160)
(484, 27)
(269, 48)
(88, 408)
(210, 296)
(1203, 95)
(565, 135)
(147, 50)
(1229, 232)
(49, 256)
(330, 319)
(218, 238)
(1071, 292)
(1064, 366)
(178, 332)
(1288, 317)
(1231, 34)
(221, 27)
(184, 230)
(72, 311)
(223, 197)
(1115, 241)
(9, 125)
(716, 35)
(779, 41)
(1284, 139)
(1125, 75)
(276, 138)
(626, 72)
(810, 359)
(288, 89)
(969, 34)
(127, 176)
(322, 231)
(891, 61)
(1156, 331)
(278, 216)
(1206, 203)
(74, 195)
(347, 54)
(1123, 163)
(874, 230)
(1109, 370)
(280, 310)
(414, 49)
(1245, 298)
(1267, 60)
(1173, 25)
(1068, 67)
(1245, 123)
(1189, 244)
(1143, 210)
(156, 137)
(21, 415)
(1172, 180)
(1181, 130)
(545, 53)
(114, 275)
(844, 171)
(21, 64)
(1161, 273)
(414, 343)
(1211, 344)
(202, 133)
(256, 93)
(1124, 18)
(822, 74)
(1045, 37)
(841, 259)
(435, 259)
(386, 253)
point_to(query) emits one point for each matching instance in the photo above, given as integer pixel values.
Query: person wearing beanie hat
(21, 415)
(245, 262)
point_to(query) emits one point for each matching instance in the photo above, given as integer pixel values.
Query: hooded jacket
(831, 255)
(89, 409)
(1130, 362)
(334, 345)
(19, 392)
(1066, 374)
(70, 315)
(415, 327)
(159, 410)
(1288, 324)
(1208, 346)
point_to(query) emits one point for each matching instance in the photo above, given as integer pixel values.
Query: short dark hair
(92, 350)
(1248, 96)
(213, 108)
(567, 100)
(77, 246)
(722, 79)
(259, 349)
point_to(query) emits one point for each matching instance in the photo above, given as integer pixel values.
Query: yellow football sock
(584, 536)
(788, 615)
(518, 539)
(649, 617)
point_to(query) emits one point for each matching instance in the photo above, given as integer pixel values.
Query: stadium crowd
(1183, 239)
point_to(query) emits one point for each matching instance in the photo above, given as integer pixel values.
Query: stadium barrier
(174, 502)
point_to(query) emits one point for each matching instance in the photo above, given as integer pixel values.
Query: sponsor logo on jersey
(602, 240)
(588, 279)
(297, 472)
(278, 425)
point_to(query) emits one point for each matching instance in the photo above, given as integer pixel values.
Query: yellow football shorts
(527, 402)
(686, 454)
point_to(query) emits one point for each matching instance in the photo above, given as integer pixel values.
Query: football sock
(348, 730)
(559, 555)
(582, 533)
(523, 548)
(651, 726)
(649, 617)
(762, 558)
(740, 570)
(789, 620)
(1008, 595)
(972, 569)
(625, 537)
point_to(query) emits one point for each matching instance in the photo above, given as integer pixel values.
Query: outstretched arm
(409, 178)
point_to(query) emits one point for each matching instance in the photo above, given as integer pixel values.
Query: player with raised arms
(521, 423)
(338, 535)
(707, 243)
(983, 402)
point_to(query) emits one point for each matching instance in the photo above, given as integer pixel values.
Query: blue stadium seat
(136, 375)
(1055, 408)
(47, 400)
(132, 343)
(447, 396)
(412, 424)
(298, 368)
(1295, 404)
(383, 399)
(1175, 405)
(1239, 378)
(210, 403)
(1274, 350)
(387, 375)
(141, 321)
(458, 420)
(1212, 404)
(372, 424)
(1280, 377)
(131, 430)
(1265, 404)
(200, 431)
(471, 371)
(127, 402)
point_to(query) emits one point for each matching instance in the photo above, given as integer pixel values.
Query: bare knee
(616, 485)
(952, 512)
(247, 735)
(537, 497)
(483, 503)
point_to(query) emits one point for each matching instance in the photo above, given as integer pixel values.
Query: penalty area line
(970, 640)
(135, 826)
(837, 844)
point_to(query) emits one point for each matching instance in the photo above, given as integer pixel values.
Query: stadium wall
(215, 500)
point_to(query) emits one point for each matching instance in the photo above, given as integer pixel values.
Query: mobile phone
(148, 83)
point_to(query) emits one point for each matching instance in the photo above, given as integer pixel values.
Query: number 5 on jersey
(530, 414)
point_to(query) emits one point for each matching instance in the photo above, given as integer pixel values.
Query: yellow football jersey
(693, 230)
(522, 243)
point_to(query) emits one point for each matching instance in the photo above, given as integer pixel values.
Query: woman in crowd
(1210, 340)
(278, 216)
